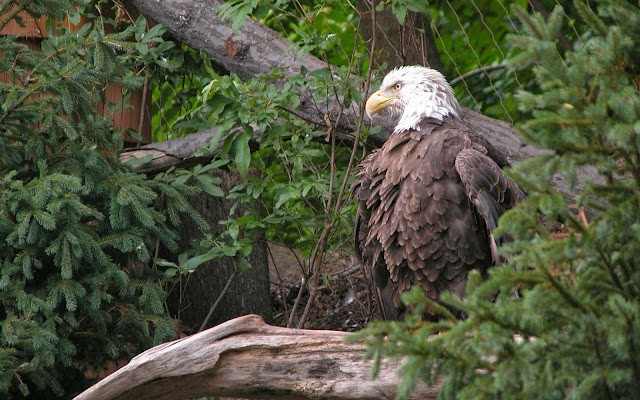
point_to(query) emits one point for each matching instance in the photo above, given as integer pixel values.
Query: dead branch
(247, 358)
(481, 70)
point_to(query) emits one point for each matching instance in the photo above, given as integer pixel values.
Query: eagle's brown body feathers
(428, 201)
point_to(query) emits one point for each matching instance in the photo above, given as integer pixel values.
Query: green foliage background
(301, 181)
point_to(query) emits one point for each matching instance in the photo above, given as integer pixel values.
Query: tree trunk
(409, 43)
(247, 358)
(247, 292)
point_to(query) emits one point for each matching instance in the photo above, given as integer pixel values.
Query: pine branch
(9, 15)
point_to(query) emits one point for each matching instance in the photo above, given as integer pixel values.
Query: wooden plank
(34, 27)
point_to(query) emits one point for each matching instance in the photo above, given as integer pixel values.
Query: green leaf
(74, 17)
(233, 230)
(242, 264)
(176, 61)
(181, 179)
(139, 27)
(142, 48)
(229, 251)
(154, 33)
(50, 27)
(241, 17)
(170, 273)
(400, 11)
(206, 182)
(166, 45)
(218, 163)
(242, 152)
(227, 145)
(194, 262)
(134, 134)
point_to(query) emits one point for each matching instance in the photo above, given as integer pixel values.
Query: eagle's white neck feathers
(421, 93)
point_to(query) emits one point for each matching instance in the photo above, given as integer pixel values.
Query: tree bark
(247, 292)
(254, 49)
(409, 43)
(247, 358)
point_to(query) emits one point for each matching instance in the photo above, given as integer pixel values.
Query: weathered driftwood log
(245, 357)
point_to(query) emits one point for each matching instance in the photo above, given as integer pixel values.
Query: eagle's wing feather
(415, 223)
(369, 252)
(480, 143)
(488, 189)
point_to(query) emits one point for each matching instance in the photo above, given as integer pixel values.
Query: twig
(11, 15)
(213, 307)
(296, 303)
(280, 283)
(327, 120)
(347, 272)
(143, 106)
(312, 283)
(477, 71)
(582, 217)
(352, 268)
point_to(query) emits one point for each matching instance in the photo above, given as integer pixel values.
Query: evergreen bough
(566, 320)
(77, 228)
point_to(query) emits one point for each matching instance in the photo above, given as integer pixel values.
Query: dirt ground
(344, 302)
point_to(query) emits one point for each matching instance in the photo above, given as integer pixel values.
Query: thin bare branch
(215, 304)
(480, 70)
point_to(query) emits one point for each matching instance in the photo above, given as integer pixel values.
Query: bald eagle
(429, 199)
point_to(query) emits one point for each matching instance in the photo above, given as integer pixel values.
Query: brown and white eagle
(429, 199)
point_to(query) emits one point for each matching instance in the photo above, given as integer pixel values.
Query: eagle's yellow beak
(377, 102)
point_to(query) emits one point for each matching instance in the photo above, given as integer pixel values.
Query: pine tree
(76, 226)
(566, 319)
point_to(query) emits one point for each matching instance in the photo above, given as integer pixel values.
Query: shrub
(77, 227)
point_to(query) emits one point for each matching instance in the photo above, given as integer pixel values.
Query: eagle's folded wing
(488, 189)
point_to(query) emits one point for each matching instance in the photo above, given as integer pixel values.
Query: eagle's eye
(397, 86)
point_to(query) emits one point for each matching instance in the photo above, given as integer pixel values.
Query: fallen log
(247, 358)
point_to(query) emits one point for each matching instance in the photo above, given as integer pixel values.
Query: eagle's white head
(414, 93)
